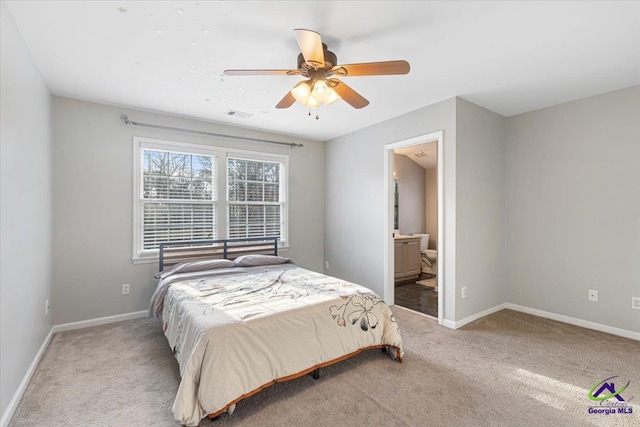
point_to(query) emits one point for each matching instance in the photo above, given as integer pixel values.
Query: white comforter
(236, 330)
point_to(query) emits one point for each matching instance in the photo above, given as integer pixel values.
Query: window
(176, 189)
(178, 197)
(255, 202)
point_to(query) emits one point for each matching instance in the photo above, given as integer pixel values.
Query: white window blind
(255, 198)
(178, 200)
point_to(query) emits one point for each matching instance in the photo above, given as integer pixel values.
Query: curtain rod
(126, 120)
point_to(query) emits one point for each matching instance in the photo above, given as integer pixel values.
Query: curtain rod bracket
(126, 121)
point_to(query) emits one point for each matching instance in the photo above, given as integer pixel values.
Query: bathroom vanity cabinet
(407, 258)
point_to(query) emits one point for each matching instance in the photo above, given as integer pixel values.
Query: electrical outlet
(326, 265)
(125, 289)
(46, 307)
(464, 292)
(593, 295)
(635, 302)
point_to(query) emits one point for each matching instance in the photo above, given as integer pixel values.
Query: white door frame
(388, 216)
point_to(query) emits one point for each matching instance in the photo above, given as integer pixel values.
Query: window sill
(145, 260)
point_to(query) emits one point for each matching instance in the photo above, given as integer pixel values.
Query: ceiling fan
(320, 66)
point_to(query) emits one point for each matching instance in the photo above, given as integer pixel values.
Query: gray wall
(25, 209)
(573, 208)
(431, 208)
(411, 203)
(355, 208)
(93, 182)
(480, 243)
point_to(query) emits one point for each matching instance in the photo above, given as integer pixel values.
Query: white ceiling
(426, 155)
(509, 57)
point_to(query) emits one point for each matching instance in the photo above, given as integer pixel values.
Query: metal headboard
(172, 253)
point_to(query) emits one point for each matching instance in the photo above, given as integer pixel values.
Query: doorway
(414, 224)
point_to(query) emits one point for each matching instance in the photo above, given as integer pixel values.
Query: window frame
(221, 185)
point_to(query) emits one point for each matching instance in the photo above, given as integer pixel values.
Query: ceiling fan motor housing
(330, 58)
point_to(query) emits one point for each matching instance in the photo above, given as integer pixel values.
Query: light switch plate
(593, 295)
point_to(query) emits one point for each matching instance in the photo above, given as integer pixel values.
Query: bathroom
(416, 228)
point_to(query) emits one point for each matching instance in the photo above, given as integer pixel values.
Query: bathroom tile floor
(417, 297)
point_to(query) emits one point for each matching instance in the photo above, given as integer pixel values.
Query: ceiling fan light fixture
(312, 93)
(320, 90)
(332, 97)
(301, 91)
(312, 102)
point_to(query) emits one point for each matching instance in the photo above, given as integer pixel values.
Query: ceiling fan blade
(287, 101)
(352, 97)
(310, 44)
(372, 69)
(261, 72)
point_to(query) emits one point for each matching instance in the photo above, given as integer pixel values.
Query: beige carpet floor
(507, 369)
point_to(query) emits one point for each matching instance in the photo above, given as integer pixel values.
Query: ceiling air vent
(420, 154)
(238, 114)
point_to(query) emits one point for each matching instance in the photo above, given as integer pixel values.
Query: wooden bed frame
(172, 253)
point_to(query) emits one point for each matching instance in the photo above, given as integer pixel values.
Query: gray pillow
(257, 259)
(188, 267)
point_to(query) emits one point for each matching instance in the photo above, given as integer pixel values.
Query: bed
(239, 318)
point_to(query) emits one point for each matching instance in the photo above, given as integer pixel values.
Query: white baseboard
(573, 321)
(448, 323)
(99, 321)
(460, 323)
(547, 315)
(13, 404)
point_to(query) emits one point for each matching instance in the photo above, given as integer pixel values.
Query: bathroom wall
(431, 208)
(411, 203)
